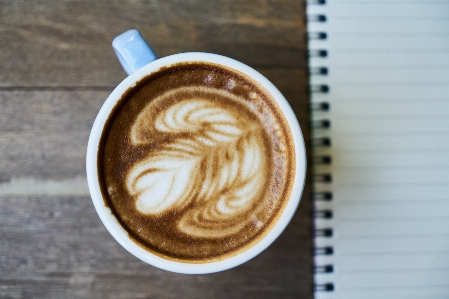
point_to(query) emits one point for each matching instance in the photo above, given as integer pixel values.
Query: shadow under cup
(108, 213)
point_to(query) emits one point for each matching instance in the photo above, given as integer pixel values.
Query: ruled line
(389, 67)
(395, 219)
(392, 116)
(392, 236)
(396, 270)
(386, 100)
(381, 167)
(391, 184)
(395, 253)
(392, 150)
(386, 83)
(393, 287)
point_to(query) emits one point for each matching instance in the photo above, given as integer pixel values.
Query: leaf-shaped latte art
(212, 165)
(160, 182)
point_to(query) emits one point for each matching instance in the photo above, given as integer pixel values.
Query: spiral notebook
(379, 74)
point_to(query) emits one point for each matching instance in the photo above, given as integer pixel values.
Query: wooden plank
(45, 132)
(56, 247)
(67, 43)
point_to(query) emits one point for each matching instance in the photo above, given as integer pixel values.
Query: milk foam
(213, 166)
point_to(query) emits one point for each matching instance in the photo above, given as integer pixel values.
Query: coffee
(196, 162)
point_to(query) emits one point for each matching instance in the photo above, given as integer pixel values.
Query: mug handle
(132, 51)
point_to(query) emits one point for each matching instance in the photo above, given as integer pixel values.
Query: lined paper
(388, 79)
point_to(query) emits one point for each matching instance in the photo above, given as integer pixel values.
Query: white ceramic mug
(139, 60)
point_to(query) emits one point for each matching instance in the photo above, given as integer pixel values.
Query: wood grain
(57, 69)
(54, 247)
(44, 133)
(67, 43)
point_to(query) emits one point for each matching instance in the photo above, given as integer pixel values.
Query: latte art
(196, 162)
(216, 163)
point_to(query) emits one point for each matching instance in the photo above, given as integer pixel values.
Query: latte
(196, 162)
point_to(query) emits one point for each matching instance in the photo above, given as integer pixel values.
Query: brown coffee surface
(196, 162)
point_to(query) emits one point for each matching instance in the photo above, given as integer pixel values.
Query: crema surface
(196, 162)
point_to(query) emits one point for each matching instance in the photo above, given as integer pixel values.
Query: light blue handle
(132, 51)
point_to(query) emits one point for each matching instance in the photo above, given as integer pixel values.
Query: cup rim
(120, 234)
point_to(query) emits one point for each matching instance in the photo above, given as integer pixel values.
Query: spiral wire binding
(324, 269)
(318, 71)
(320, 88)
(322, 160)
(320, 124)
(317, 36)
(327, 196)
(316, 18)
(324, 214)
(322, 142)
(318, 53)
(327, 250)
(311, 2)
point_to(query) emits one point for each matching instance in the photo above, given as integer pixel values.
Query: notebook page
(387, 77)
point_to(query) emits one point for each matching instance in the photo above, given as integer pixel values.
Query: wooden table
(56, 69)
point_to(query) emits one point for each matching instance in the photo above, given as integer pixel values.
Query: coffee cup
(195, 162)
